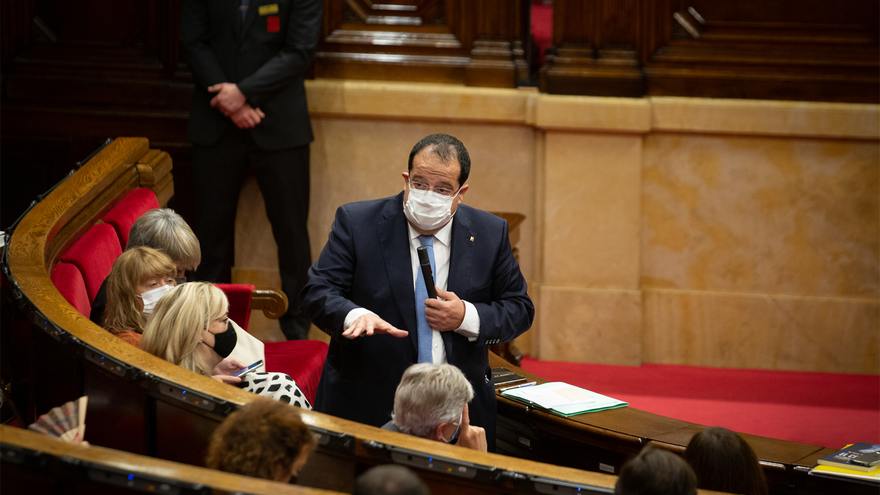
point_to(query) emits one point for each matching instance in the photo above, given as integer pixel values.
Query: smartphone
(868, 460)
(245, 371)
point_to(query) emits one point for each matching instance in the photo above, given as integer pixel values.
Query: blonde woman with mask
(138, 279)
(190, 327)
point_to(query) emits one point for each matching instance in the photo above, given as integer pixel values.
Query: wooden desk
(604, 440)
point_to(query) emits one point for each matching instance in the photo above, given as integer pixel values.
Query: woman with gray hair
(165, 231)
(431, 402)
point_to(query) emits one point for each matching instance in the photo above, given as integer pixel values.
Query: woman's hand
(227, 367)
(227, 379)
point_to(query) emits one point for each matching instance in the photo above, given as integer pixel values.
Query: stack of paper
(563, 399)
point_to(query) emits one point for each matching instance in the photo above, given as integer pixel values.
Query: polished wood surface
(813, 50)
(602, 441)
(447, 41)
(138, 465)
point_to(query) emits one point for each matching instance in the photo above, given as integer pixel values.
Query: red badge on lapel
(273, 24)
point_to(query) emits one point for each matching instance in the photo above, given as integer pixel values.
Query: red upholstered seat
(123, 215)
(69, 282)
(303, 360)
(94, 254)
(239, 296)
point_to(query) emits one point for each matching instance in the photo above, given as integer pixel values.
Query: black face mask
(225, 342)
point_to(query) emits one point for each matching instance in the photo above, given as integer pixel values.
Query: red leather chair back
(94, 254)
(69, 282)
(239, 296)
(123, 215)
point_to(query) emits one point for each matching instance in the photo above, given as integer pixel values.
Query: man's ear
(464, 189)
(437, 434)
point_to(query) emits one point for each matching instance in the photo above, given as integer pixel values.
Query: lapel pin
(472, 238)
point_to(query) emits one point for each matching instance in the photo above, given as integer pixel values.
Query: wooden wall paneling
(446, 41)
(594, 49)
(15, 28)
(492, 58)
(812, 50)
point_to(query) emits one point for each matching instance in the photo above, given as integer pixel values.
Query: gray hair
(164, 230)
(428, 395)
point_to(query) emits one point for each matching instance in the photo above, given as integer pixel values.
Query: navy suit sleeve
(509, 311)
(325, 297)
(195, 39)
(291, 62)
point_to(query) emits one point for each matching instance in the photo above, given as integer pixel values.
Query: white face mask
(151, 297)
(428, 210)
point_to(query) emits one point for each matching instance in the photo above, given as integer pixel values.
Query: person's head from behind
(390, 479)
(139, 278)
(264, 439)
(656, 472)
(190, 327)
(429, 401)
(724, 462)
(165, 230)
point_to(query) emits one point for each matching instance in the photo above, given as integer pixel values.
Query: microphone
(425, 263)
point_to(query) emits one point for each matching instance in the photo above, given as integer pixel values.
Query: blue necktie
(426, 335)
(244, 9)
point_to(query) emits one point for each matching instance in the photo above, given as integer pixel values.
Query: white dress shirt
(470, 326)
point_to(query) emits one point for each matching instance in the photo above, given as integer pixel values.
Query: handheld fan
(67, 422)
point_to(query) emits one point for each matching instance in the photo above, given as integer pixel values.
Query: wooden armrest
(273, 302)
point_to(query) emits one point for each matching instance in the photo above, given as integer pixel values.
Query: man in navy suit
(363, 290)
(249, 110)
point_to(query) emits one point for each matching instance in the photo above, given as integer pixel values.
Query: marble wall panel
(590, 325)
(591, 210)
(761, 215)
(761, 331)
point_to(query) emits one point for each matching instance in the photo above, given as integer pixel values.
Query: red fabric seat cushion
(303, 360)
(69, 282)
(123, 215)
(239, 296)
(94, 254)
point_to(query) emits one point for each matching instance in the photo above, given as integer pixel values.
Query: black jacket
(266, 56)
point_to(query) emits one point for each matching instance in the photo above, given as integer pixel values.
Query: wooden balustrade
(35, 463)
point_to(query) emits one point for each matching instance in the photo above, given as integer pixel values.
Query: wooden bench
(35, 463)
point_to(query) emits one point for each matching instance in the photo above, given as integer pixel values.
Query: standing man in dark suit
(249, 109)
(367, 291)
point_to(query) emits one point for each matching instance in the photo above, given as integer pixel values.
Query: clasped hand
(233, 104)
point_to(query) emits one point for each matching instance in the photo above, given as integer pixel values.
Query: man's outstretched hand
(229, 98)
(370, 324)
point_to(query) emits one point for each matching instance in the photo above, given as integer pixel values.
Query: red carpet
(825, 409)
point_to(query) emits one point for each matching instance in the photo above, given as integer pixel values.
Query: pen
(505, 389)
